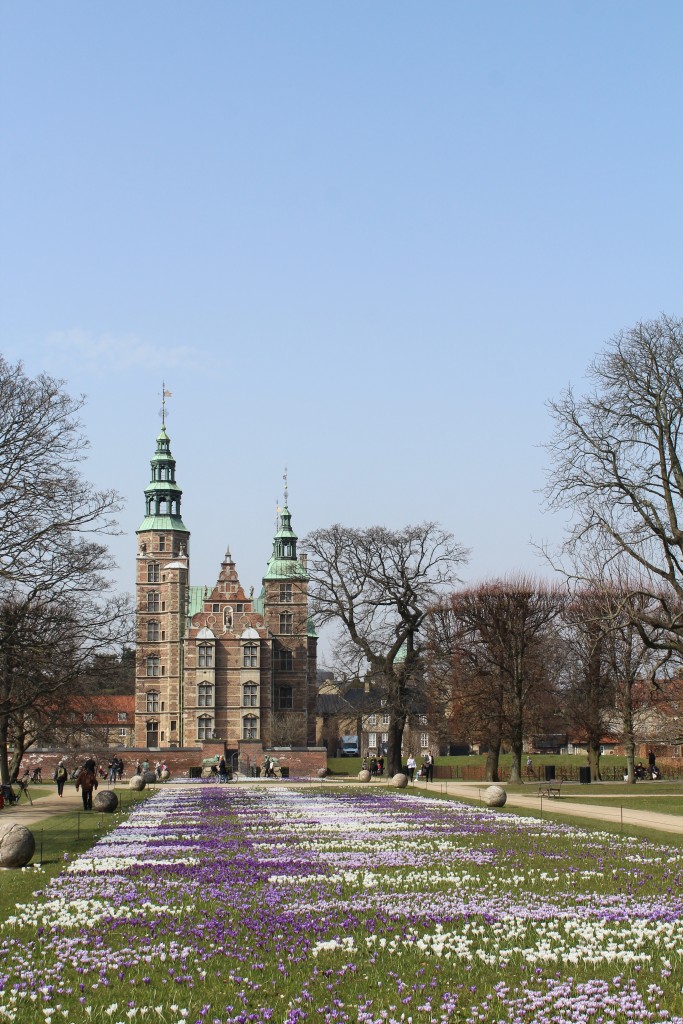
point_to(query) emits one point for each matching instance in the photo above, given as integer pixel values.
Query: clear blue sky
(363, 240)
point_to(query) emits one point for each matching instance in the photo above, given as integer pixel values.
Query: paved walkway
(50, 805)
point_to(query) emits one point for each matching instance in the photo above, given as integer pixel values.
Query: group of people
(219, 771)
(375, 765)
(115, 769)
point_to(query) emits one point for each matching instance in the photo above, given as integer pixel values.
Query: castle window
(153, 601)
(250, 727)
(152, 734)
(152, 572)
(152, 702)
(215, 608)
(286, 622)
(372, 740)
(285, 698)
(122, 716)
(205, 695)
(122, 732)
(205, 652)
(285, 593)
(250, 698)
(240, 608)
(422, 719)
(204, 727)
(153, 630)
(153, 665)
(162, 543)
(250, 656)
(424, 740)
(385, 719)
(372, 719)
(285, 660)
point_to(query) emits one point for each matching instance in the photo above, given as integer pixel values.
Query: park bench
(552, 787)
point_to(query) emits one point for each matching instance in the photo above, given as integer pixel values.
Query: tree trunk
(4, 766)
(491, 768)
(394, 763)
(594, 760)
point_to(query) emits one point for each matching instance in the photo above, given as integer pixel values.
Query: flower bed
(247, 904)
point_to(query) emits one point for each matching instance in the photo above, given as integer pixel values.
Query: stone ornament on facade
(17, 845)
(495, 796)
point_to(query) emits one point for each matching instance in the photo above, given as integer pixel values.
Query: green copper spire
(162, 495)
(284, 563)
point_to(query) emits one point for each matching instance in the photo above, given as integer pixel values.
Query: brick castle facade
(214, 664)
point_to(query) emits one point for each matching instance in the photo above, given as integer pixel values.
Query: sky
(366, 242)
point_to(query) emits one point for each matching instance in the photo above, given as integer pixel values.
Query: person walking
(86, 782)
(113, 770)
(411, 765)
(60, 776)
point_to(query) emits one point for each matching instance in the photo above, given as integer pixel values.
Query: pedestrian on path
(428, 762)
(411, 765)
(60, 777)
(87, 781)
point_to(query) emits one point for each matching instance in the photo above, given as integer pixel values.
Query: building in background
(214, 663)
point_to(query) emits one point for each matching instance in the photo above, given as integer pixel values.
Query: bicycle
(10, 797)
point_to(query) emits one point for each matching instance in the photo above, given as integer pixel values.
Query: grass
(609, 763)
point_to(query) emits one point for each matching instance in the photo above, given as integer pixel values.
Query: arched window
(250, 656)
(250, 727)
(205, 656)
(153, 630)
(205, 695)
(152, 572)
(227, 616)
(153, 665)
(250, 695)
(205, 727)
(153, 601)
(152, 702)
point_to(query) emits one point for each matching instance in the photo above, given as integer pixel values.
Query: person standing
(411, 765)
(113, 770)
(428, 766)
(60, 777)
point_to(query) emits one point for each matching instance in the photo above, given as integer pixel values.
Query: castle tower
(161, 593)
(294, 642)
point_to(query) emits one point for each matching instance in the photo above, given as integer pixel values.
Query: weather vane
(164, 395)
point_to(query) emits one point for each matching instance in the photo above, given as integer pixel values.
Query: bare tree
(501, 631)
(48, 513)
(46, 650)
(376, 586)
(617, 468)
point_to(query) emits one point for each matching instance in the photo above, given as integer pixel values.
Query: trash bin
(584, 776)
(549, 772)
(284, 773)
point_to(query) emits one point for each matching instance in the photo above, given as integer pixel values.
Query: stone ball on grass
(495, 796)
(150, 778)
(17, 845)
(321, 773)
(400, 780)
(165, 775)
(106, 800)
(364, 776)
(136, 782)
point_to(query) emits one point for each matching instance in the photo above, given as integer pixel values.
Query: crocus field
(254, 903)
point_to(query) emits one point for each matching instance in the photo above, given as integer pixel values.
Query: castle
(213, 664)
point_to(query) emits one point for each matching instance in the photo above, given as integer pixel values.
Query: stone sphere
(136, 782)
(364, 776)
(165, 774)
(150, 778)
(106, 800)
(400, 780)
(495, 796)
(321, 773)
(17, 845)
